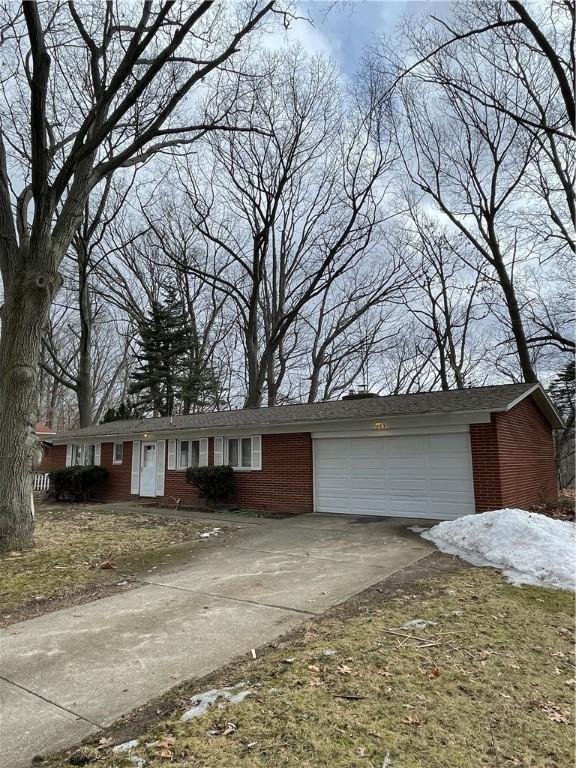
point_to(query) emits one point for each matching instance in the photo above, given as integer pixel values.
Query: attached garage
(428, 476)
(435, 455)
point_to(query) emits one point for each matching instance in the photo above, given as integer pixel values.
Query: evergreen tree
(123, 412)
(171, 376)
(562, 390)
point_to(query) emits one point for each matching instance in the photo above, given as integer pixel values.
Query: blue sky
(344, 28)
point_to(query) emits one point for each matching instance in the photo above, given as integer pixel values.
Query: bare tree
(352, 325)
(89, 90)
(91, 318)
(288, 209)
(445, 293)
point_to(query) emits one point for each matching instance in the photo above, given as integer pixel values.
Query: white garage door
(400, 476)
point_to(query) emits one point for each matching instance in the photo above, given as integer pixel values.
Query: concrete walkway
(68, 674)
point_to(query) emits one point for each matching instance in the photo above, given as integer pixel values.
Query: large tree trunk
(254, 385)
(84, 386)
(25, 311)
(515, 322)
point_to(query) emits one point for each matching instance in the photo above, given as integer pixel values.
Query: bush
(215, 483)
(76, 483)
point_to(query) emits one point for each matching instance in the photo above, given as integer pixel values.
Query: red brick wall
(284, 484)
(513, 459)
(54, 457)
(528, 469)
(116, 487)
(486, 466)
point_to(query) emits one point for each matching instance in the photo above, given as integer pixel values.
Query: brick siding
(513, 459)
(53, 457)
(284, 484)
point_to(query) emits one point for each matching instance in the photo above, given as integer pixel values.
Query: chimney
(360, 395)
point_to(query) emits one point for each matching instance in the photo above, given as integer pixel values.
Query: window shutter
(68, 455)
(256, 451)
(98, 454)
(160, 462)
(203, 452)
(171, 454)
(218, 450)
(135, 477)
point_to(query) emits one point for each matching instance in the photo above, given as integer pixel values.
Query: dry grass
(490, 684)
(72, 543)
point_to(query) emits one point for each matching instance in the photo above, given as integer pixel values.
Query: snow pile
(203, 701)
(528, 548)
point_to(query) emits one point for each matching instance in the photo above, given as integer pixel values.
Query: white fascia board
(544, 403)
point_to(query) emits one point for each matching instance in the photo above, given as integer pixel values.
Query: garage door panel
(405, 476)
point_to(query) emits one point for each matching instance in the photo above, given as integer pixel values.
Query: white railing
(41, 482)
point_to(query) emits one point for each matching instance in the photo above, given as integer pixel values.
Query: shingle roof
(493, 398)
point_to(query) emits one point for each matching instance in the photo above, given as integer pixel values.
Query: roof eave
(544, 402)
(167, 431)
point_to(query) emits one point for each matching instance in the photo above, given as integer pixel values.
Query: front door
(148, 470)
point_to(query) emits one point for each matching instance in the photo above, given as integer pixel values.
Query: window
(240, 452)
(89, 454)
(77, 455)
(188, 453)
(118, 455)
(149, 455)
(83, 455)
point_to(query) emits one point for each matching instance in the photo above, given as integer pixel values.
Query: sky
(344, 28)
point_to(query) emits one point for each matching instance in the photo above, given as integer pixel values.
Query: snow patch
(203, 701)
(126, 746)
(208, 534)
(418, 528)
(418, 624)
(528, 548)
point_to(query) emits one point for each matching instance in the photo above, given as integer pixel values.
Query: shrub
(76, 483)
(215, 483)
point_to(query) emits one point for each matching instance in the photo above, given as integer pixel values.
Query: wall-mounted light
(145, 434)
(379, 425)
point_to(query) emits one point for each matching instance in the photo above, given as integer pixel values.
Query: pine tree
(123, 412)
(155, 379)
(562, 390)
(171, 376)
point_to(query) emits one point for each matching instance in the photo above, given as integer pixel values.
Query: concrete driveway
(68, 674)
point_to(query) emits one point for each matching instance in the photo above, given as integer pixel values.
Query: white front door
(148, 470)
(397, 476)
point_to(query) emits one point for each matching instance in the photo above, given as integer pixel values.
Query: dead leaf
(554, 713)
(344, 669)
(164, 744)
(314, 668)
(432, 673)
(223, 730)
(315, 682)
(106, 565)
(384, 673)
(411, 721)
(104, 743)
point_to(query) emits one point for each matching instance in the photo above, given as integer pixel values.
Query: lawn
(82, 552)
(490, 683)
